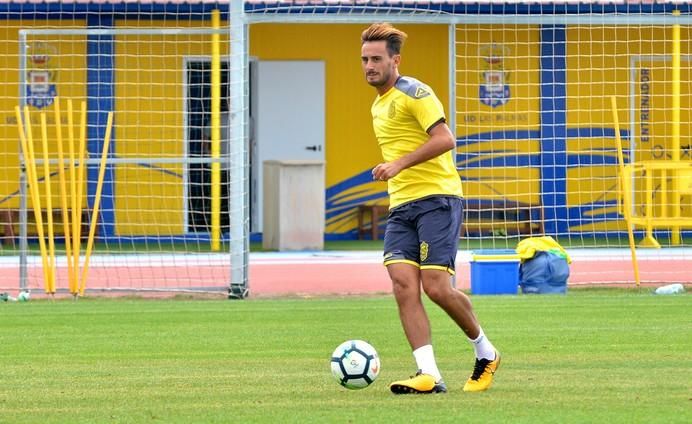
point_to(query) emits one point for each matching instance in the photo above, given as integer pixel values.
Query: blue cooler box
(494, 272)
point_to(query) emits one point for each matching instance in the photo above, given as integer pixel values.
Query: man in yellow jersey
(422, 235)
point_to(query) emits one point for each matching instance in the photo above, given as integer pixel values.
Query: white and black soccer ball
(355, 364)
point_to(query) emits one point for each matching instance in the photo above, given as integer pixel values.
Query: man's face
(377, 65)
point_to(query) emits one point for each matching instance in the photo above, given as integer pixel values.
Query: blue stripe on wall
(498, 135)
(554, 128)
(497, 159)
(100, 101)
(476, 8)
(88, 10)
(595, 133)
(201, 10)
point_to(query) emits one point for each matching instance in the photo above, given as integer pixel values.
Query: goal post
(240, 154)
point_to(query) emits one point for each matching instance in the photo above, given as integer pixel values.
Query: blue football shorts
(424, 233)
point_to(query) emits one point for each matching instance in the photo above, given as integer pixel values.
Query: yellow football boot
(418, 384)
(483, 373)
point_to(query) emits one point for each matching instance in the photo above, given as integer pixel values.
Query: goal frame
(238, 286)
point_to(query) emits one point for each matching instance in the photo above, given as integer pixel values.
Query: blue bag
(546, 272)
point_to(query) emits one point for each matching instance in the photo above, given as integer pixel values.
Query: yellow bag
(544, 266)
(527, 248)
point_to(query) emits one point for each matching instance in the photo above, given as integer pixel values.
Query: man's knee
(437, 285)
(405, 280)
(402, 284)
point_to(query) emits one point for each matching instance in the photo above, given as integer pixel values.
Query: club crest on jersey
(421, 92)
(391, 113)
(40, 87)
(423, 251)
(494, 88)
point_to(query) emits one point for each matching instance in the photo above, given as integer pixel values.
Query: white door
(287, 108)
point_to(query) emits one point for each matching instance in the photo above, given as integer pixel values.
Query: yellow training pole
(63, 191)
(30, 161)
(215, 132)
(74, 287)
(675, 131)
(81, 169)
(627, 192)
(97, 202)
(49, 202)
(649, 195)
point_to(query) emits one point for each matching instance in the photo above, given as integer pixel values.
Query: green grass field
(596, 355)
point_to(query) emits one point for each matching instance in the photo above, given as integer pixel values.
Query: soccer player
(421, 239)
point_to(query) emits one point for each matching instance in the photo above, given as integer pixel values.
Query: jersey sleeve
(426, 108)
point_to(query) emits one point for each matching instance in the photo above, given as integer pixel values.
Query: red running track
(321, 273)
(284, 278)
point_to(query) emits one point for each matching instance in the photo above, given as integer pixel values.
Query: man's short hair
(385, 32)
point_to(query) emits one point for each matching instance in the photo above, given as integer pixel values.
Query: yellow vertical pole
(49, 202)
(63, 191)
(649, 211)
(30, 159)
(215, 131)
(73, 196)
(675, 117)
(627, 193)
(97, 202)
(620, 189)
(81, 169)
(664, 193)
(649, 195)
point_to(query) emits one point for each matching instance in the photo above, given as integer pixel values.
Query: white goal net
(173, 196)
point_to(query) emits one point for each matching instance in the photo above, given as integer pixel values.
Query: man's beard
(380, 82)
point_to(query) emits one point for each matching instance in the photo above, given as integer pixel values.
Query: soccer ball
(355, 364)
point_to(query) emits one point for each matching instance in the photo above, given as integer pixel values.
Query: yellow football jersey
(401, 118)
